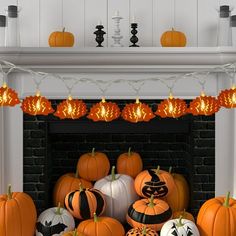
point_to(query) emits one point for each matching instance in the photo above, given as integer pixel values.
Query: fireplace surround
(110, 64)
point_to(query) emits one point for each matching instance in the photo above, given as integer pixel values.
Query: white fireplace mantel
(113, 63)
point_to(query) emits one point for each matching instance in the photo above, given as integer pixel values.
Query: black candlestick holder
(99, 35)
(134, 38)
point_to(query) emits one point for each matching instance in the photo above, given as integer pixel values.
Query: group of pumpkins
(170, 38)
(113, 200)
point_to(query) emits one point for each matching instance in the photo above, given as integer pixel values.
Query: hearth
(52, 148)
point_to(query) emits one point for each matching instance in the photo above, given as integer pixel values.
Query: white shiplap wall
(38, 18)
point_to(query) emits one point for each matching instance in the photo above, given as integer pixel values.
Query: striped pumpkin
(152, 213)
(83, 203)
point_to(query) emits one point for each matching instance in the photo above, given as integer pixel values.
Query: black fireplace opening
(52, 148)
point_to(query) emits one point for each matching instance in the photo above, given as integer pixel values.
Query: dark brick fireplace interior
(52, 148)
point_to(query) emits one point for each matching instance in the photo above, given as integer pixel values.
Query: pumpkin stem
(170, 169)
(151, 203)
(180, 223)
(63, 30)
(173, 29)
(144, 232)
(113, 175)
(226, 203)
(95, 217)
(77, 173)
(158, 170)
(93, 152)
(81, 187)
(58, 211)
(129, 152)
(75, 233)
(9, 192)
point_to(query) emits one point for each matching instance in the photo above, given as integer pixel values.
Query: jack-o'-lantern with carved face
(156, 182)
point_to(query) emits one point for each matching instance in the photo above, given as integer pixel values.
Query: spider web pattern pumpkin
(137, 112)
(104, 111)
(8, 96)
(71, 109)
(143, 231)
(156, 182)
(36, 105)
(152, 213)
(204, 105)
(172, 107)
(227, 98)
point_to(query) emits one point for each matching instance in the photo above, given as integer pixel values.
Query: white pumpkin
(179, 227)
(54, 221)
(119, 193)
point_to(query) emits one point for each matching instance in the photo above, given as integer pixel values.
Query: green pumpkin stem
(144, 232)
(63, 30)
(158, 170)
(151, 203)
(95, 217)
(58, 211)
(180, 223)
(113, 175)
(170, 170)
(81, 188)
(129, 152)
(93, 152)
(75, 233)
(9, 192)
(226, 203)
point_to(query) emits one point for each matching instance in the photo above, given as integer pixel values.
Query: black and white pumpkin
(54, 221)
(179, 227)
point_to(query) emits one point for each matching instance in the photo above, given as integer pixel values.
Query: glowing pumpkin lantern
(227, 98)
(8, 96)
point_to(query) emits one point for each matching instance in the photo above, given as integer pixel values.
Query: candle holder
(99, 35)
(134, 38)
(117, 37)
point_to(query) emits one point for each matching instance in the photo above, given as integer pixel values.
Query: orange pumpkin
(217, 217)
(152, 213)
(173, 38)
(67, 183)
(184, 214)
(178, 200)
(17, 214)
(129, 164)
(102, 226)
(61, 39)
(143, 231)
(84, 202)
(93, 166)
(73, 233)
(155, 182)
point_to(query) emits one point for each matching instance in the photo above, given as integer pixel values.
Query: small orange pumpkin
(129, 163)
(184, 214)
(93, 166)
(61, 39)
(143, 231)
(17, 214)
(101, 226)
(155, 182)
(217, 217)
(179, 198)
(73, 233)
(173, 38)
(67, 183)
(152, 213)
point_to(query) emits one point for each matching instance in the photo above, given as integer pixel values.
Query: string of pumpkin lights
(72, 108)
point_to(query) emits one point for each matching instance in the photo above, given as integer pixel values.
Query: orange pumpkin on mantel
(129, 163)
(93, 166)
(61, 39)
(217, 217)
(173, 38)
(17, 214)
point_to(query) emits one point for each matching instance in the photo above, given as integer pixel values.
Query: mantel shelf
(146, 59)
